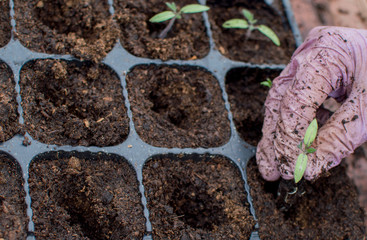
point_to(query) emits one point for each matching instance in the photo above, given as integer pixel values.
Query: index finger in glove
(265, 154)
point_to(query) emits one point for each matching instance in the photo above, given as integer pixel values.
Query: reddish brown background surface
(347, 13)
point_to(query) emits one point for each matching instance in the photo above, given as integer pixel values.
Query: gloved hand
(331, 62)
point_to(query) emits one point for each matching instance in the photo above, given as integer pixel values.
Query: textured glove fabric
(332, 62)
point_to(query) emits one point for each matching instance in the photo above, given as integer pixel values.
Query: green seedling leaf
(269, 33)
(310, 150)
(163, 16)
(235, 23)
(267, 83)
(194, 8)
(311, 133)
(300, 167)
(248, 15)
(300, 145)
(172, 6)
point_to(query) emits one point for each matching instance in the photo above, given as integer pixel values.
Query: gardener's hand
(331, 62)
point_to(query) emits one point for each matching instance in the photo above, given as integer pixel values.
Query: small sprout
(174, 14)
(267, 83)
(249, 24)
(302, 159)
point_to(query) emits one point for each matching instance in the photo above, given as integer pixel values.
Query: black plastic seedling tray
(133, 149)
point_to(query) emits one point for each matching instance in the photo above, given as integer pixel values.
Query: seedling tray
(141, 162)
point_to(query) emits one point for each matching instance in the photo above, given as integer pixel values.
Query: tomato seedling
(174, 14)
(249, 24)
(302, 159)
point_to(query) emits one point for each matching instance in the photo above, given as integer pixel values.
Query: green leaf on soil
(310, 150)
(311, 133)
(163, 16)
(267, 83)
(300, 167)
(194, 8)
(269, 33)
(172, 6)
(248, 15)
(235, 23)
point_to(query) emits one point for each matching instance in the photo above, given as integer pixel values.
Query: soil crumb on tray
(83, 29)
(329, 208)
(85, 196)
(196, 197)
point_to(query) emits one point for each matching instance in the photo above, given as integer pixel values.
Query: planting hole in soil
(85, 196)
(5, 27)
(247, 97)
(258, 48)
(13, 217)
(73, 103)
(328, 208)
(177, 106)
(186, 40)
(8, 105)
(82, 28)
(196, 197)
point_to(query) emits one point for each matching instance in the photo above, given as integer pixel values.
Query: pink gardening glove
(331, 62)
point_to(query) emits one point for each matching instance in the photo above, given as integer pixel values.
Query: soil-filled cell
(186, 40)
(84, 29)
(73, 103)
(9, 122)
(85, 196)
(13, 217)
(5, 27)
(177, 106)
(196, 197)
(256, 48)
(247, 96)
(326, 209)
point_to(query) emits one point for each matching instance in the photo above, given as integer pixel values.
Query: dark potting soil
(8, 104)
(258, 49)
(246, 97)
(196, 197)
(13, 217)
(186, 40)
(5, 27)
(328, 210)
(84, 29)
(85, 196)
(73, 103)
(177, 106)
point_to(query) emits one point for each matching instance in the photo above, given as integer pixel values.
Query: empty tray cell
(85, 196)
(196, 197)
(73, 103)
(247, 97)
(177, 106)
(82, 28)
(9, 121)
(257, 48)
(325, 209)
(186, 40)
(5, 27)
(13, 217)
